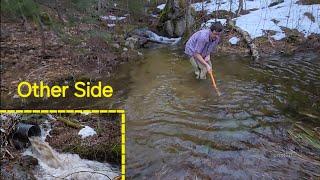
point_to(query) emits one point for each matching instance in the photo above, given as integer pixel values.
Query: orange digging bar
(214, 83)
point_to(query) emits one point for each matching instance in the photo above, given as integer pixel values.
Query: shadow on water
(177, 127)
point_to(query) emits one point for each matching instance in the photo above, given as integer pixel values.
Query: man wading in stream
(199, 47)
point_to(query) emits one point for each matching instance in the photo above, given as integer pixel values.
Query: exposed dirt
(23, 57)
(295, 42)
(308, 2)
(103, 147)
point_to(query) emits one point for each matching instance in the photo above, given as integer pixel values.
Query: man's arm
(207, 58)
(200, 58)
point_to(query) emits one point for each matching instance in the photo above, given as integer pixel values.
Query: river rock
(116, 45)
(168, 25)
(131, 42)
(176, 18)
(180, 27)
(136, 38)
(28, 161)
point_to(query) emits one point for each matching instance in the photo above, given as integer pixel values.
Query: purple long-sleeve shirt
(200, 43)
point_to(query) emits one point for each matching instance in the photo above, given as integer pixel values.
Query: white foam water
(54, 165)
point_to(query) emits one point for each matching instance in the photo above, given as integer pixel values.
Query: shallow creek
(177, 127)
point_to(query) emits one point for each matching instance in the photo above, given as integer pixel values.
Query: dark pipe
(28, 130)
(23, 132)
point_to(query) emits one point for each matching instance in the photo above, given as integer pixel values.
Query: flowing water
(177, 127)
(54, 165)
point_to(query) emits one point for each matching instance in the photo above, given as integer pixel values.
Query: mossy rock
(46, 18)
(175, 18)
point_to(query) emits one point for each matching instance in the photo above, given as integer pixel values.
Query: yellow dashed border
(118, 111)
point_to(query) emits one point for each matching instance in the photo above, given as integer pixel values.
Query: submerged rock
(132, 42)
(116, 45)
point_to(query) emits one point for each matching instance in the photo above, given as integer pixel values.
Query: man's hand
(209, 69)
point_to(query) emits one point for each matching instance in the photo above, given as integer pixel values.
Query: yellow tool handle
(214, 82)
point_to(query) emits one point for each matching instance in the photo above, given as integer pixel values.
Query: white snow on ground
(154, 15)
(287, 14)
(209, 22)
(161, 39)
(161, 6)
(234, 40)
(86, 132)
(211, 6)
(113, 18)
(111, 25)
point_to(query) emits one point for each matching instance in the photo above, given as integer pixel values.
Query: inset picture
(61, 146)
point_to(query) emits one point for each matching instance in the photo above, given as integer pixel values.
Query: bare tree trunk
(217, 10)
(58, 9)
(99, 6)
(25, 21)
(43, 43)
(253, 48)
(240, 8)
(202, 8)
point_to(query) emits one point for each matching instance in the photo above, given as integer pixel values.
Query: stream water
(177, 127)
(55, 165)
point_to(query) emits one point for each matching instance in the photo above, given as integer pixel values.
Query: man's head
(216, 30)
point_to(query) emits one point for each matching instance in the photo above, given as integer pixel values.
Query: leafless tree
(240, 8)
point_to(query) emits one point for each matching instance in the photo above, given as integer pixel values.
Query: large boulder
(176, 18)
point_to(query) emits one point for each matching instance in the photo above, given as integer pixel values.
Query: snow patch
(161, 6)
(161, 39)
(111, 25)
(228, 5)
(287, 14)
(113, 18)
(234, 40)
(154, 15)
(209, 22)
(86, 132)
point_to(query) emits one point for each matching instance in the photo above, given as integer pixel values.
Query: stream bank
(265, 124)
(87, 47)
(60, 147)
